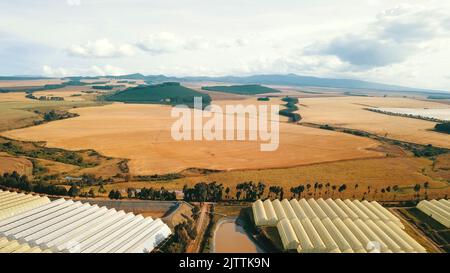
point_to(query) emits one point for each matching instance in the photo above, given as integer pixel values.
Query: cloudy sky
(397, 42)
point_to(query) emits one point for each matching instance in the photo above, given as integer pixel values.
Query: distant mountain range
(289, 80)
(268, 79)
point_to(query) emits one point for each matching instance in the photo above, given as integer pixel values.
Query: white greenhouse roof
(34, 224)
(338, 226)
(12, 203)
(438, 210)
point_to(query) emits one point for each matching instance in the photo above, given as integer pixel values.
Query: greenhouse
(12, 203)
(272, 219)
(338, 226)
(438, 210)
(34, 224)
(259, 213)
(13, 246)
(287, 234)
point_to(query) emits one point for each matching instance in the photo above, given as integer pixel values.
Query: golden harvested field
(56, 168)
(16, 111)
(66, 93)
(10, 164)
(13, 96)
(141, 133)
(378, 173)
(28, 83)
(349, 112)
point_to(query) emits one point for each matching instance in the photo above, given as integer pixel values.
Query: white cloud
(73, 2)
(409, 23)
(159, 43)
(396, 36)
(371, 39)
(165, 42)
(366, 52)
(54, 72)
(196, 43)
(94, 70)
(107, 70)
(102, 48)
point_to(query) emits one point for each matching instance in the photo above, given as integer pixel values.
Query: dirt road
(201, 225)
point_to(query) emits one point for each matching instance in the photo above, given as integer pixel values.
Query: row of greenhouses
(335, 226)
(74, 227)
(438, 210)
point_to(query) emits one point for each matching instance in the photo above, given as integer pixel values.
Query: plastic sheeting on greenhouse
(297, 209)
(334, 226)
(313, 235)
(13, 246)
(288, 210)
(279, 210)
(259, 213)
(12, 203)
(68, 226)
(287, 234)
(305, 244)
(438, 210)
(272, 218)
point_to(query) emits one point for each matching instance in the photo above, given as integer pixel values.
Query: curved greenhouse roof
(34, 224)
(438, 210)
(334, 226)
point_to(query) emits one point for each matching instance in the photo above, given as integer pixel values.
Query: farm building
(438, 210)
(75, 227)
(335, 226)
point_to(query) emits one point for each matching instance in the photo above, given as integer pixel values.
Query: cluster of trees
(87, 180)
(53, 115)
(89, 194)
(21, 182)
(115, 194)
(74, 191)
(183, 234)
(317, 189)
(327, 127)
(249, 191)
(158, 177)
(31, 96)
(403, 115)
(204, 192)
(443, 127)
(356, 132)
(152, 194)
(53, 154)
(103, 87)
(47, 87)
(277, 191)
(291, 107)
(428, 151)
(43, 98)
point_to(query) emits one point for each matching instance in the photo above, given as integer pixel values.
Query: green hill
(166, 93)
(250, 89)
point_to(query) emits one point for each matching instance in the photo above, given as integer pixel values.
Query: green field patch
(251, 89)
(171, 93)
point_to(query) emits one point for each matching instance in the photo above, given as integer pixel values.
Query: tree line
(21, 182)
(291, 107)
(248, 191)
